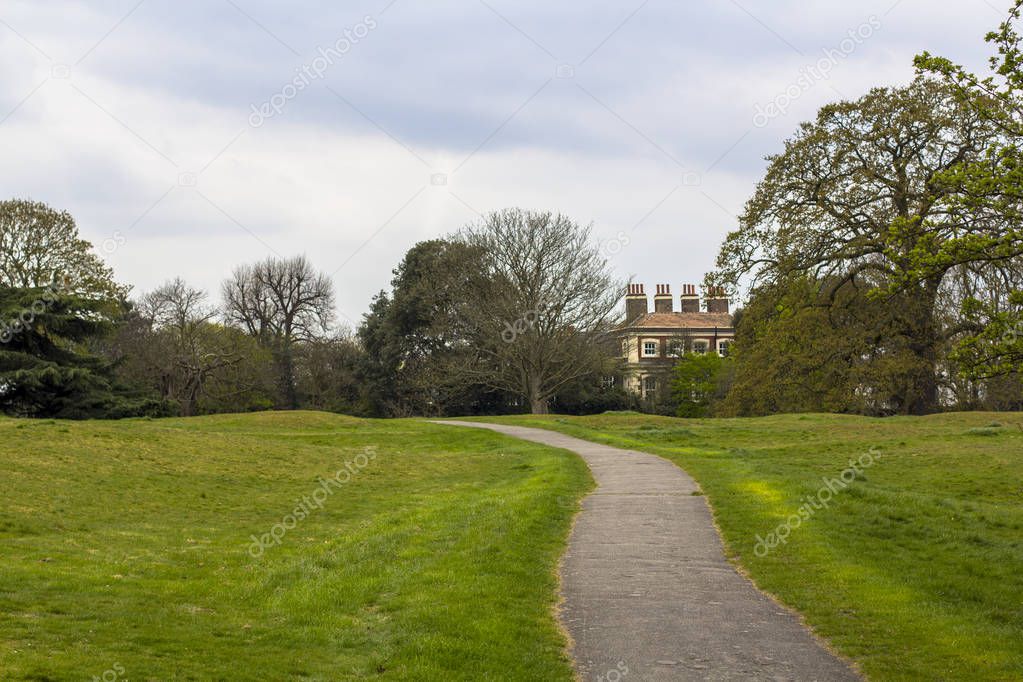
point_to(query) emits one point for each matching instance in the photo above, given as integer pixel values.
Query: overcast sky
(188, 136)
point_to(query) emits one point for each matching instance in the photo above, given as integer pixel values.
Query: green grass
(124, 547)
(915, 570)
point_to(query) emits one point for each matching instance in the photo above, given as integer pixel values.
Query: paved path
(647, 588)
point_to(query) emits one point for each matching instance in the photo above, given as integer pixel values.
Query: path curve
(647, 588)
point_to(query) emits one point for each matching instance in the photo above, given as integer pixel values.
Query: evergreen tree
(46, 369)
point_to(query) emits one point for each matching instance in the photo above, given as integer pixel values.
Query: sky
(187, 137)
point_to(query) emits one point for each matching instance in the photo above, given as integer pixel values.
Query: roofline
(688, 329)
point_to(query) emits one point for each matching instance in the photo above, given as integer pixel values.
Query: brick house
(651, 342)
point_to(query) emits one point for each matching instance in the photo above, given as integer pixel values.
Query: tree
(697, 382)
(329, 373)
(46, 369)
(858, 198)
(541, 297)
(797, 349)
(40, 246)
(281, 303)
(415, 338)
(185, 355)
(990, 197)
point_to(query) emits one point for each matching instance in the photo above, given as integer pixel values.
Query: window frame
(657, 348)
(701, 347)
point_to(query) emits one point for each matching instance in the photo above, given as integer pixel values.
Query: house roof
(682, 321)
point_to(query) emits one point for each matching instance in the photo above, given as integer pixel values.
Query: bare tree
(280, 302)
(184, 348)
(542, 298)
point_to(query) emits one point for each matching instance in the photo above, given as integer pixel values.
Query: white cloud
(320, 179)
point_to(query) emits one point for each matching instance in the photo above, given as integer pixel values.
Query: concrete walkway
(648, 592)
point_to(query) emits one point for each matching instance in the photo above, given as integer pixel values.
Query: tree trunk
(921, 393)
(285, 365)
(537, 403)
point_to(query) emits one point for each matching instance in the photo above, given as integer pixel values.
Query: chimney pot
(662, 301)
(636, 304)
(690, 300)
(717, 302)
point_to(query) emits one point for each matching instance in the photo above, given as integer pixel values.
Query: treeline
(74, 343)
(509, 315)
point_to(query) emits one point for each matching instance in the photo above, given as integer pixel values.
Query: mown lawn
(914, 570)
(126, 550)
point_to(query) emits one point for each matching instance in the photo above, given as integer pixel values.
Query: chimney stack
(717, 302)
(690, 299)
(636, 305)
(662, 301)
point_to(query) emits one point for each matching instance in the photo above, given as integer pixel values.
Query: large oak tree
(990, 199)
(859, 198)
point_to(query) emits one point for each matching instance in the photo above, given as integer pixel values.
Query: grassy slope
(126, 544)
(915, 571)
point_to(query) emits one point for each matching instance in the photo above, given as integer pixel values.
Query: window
(608, 381)
(676, 348)
(649, 387)
(723, 348)
(650, 349)
(700, 347)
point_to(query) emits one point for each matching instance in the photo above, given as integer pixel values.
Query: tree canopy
(40, 246)
(990, 197)
(543, 294)
(46, 367)
(859, 198)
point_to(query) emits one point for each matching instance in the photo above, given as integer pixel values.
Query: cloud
(471, 90)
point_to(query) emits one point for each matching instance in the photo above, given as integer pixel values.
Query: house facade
(652, 341)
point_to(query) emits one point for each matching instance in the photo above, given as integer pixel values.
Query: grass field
(126, 550)
(914, 569)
